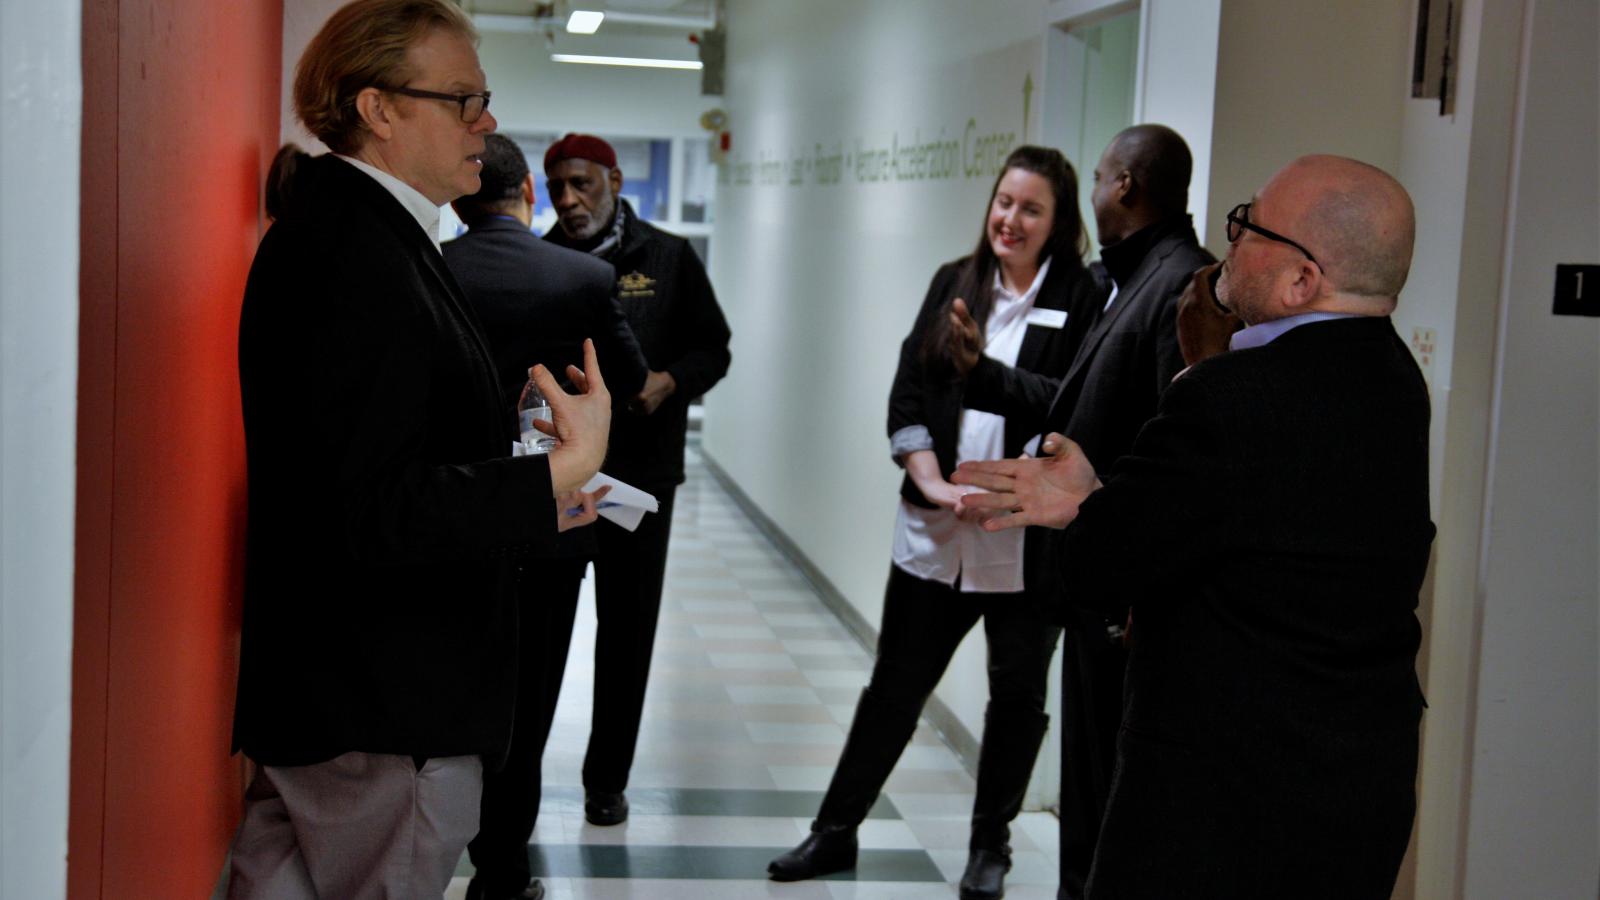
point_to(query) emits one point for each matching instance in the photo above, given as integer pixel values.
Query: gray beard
(598, 220)
(612, 240)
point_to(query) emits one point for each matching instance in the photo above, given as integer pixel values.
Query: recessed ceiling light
(584, 21)
(626, 61)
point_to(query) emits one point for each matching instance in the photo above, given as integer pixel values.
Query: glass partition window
(699, 182)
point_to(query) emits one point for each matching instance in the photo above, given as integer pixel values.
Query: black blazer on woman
(384, 510)
(930, 394)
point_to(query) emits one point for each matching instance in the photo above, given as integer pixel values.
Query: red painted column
(180, 120)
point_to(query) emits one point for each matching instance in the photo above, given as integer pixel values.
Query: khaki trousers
(361, 825)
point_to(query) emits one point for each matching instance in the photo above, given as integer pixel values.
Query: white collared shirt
(421, 208)
(933, 544)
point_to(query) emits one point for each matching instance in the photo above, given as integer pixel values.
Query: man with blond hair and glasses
(1270, 530)
(386, 515)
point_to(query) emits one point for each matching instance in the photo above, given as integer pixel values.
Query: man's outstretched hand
(1044, 491)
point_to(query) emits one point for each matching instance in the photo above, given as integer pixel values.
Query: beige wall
(1533, 824)
(1302, 76)
(1456, 169)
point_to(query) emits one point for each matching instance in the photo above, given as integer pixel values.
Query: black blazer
(1122, 367)
(1125, 362)
(1270, 528)
(675, 317)
(537, 302)
(384, 511)
(932, 395)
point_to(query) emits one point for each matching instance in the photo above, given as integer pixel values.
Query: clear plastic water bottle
(532, 405)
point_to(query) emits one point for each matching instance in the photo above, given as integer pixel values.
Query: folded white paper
(626, 504)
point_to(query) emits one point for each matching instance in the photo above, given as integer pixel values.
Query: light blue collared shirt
(1267, 332)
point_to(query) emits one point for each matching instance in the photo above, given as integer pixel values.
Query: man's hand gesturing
(1044, 491)
(580, 421)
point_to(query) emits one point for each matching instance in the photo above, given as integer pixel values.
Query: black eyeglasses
(1239, 221)
(472, 105)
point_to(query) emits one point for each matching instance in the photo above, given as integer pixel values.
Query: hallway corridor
(753, 687)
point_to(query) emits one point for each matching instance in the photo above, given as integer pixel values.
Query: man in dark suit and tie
(378, 653)
(1127, 359)
(537, 303)
(1270, 530)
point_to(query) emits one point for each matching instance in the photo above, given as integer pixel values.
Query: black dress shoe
(605, 808)
(985, 878)
(821, 853)
(534, 891)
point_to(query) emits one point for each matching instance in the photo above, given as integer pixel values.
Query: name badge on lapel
(1047, 318)
(637, 284)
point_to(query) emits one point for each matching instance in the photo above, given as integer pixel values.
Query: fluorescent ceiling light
(584, 21)
(626, 61)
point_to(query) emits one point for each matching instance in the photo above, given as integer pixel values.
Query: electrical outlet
(1423, 346)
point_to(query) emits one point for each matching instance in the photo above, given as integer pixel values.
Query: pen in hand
(603, 504)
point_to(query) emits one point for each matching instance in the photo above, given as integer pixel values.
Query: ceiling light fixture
(642, 62)
(584, 21)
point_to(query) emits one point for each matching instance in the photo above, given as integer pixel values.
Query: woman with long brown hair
(1026, 286)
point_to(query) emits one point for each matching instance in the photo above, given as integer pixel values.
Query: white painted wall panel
(41, 81)
(821, 278)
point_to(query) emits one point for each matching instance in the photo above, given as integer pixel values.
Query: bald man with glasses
(1270, 531)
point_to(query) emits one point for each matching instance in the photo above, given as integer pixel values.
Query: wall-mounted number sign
(1577, 290)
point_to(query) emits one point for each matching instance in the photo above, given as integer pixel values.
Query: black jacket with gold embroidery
(675, 317)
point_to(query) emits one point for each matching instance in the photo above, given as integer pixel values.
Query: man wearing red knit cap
(674, 314)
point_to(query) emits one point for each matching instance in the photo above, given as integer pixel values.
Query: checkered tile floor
(753, 687)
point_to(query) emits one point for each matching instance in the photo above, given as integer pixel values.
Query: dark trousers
(628, 576)
(547, 595)
(923, 623)
(1091, 717)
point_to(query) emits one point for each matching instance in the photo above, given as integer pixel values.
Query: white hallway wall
(41, 81)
